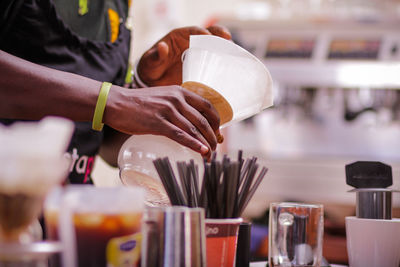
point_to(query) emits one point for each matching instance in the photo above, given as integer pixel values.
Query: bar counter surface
(264, 264)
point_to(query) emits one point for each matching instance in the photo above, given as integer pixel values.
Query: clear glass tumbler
(295, 235)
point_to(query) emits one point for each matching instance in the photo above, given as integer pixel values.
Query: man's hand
(168, 110)
(161, 64)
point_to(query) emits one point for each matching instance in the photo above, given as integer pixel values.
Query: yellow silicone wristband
(97, 123)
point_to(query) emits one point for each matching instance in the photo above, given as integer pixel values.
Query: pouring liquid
(222, 106)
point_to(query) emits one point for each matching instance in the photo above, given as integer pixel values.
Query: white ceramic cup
(372, 242)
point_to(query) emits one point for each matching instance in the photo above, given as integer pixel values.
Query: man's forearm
(30, 91)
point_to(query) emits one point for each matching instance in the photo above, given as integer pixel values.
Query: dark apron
(32, 30)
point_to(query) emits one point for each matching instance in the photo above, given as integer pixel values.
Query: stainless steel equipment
(371, 179)
(312, 53)
(374, 203)
(174, 236)
(335, 85)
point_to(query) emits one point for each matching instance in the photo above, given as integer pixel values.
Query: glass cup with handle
(295, 234)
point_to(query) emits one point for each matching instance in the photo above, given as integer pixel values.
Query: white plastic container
(234, 73)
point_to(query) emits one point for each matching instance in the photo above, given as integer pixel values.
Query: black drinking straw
(195, 178)
(231, 189)
(253, 189)
(240, 159)
(175, 185)
(203, 198)
(249, 164)
(247, 182)
(226, 189)
(164, 169)
(211, 192)
(182, 177)
(165, 181)
(190, 185)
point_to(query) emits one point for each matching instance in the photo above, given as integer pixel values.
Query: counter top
(264, 264)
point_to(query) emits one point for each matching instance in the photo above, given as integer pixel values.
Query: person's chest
(93, 19)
